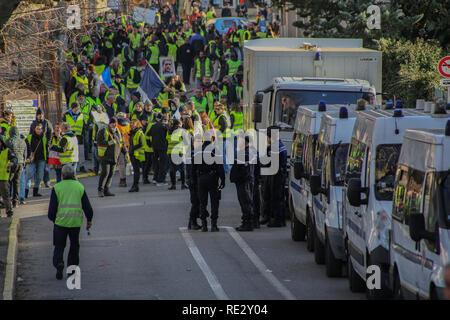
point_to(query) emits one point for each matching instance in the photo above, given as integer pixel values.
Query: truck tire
(298, 229)
(356, 284)
(333, 265)
(319, 249)
(309, 233)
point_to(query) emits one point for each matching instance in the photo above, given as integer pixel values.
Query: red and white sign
(444, 67)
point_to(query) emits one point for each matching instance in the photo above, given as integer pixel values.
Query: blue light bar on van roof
(399, 104)
(343, 113)
(322, 106)
(398, 113)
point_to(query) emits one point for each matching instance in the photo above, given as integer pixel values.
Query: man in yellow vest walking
(68, 201)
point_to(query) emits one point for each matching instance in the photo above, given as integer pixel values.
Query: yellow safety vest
(238, 124)
(4, 173)
(68, 155)
(70, 210)
(135, 40)
(77, 126)
(139, 153)
(233, 66)
(207, 68)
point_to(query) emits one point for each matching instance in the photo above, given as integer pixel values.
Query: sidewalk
(4, 232)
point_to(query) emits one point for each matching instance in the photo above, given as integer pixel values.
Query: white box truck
(286, 74)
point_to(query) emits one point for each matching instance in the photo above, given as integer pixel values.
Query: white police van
(306, 130)
(371, 166)
(420, 236)
(326, 187)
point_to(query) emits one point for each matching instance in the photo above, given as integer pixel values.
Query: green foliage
(409, 68)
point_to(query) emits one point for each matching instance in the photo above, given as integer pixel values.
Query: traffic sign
(444, 67)
(445, 82)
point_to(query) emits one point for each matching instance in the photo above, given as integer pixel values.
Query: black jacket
(158, 133)
(185, 54)
(37, 146)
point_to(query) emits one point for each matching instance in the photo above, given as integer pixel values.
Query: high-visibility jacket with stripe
(101, 149)
(83, 80)
(120, 88)
(210, 97)
(233, 66)
(99, 69)
(240, 33)
(199, 69)
(4, 172)
(139, 153)
(239, 92)
(85, 109)
(172, 51)
(175, 142)
(119, 70)
(154, 56)
(123, 55)
(200, 106)
(7, 127)
(148, 138)
(238, 123)
(71, 153)
(247, 35)
(216, 125)
(130, 83)
(135, 40)
(77, 126)
(210, 15)
(70, 210)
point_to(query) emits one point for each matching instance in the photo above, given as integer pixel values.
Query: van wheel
(398, 295)
(319, 249)
(333, 265)
(309, 234)
(355, 282)
(298, 229)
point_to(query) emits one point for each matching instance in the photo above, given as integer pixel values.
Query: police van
(369, 188)
(326, 187)
(420, 237)
(306, 130)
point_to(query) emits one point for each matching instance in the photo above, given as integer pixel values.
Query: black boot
(36, 192)
(264, 221)
(214, 225)
(256, 224)
(59, 271)
(26, 193)
(193, 225)
(275, 223)
(146, 181)
(108, 193)
(245, 226)
(134, 188)
(204, 225)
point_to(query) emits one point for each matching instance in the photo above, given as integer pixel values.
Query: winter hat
(39, 111)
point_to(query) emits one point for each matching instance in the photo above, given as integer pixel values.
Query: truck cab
(420, 237)
(369, 188)
(306, 131)
(278, 103)
(327, 185)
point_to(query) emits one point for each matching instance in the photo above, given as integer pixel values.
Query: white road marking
(259, 264)
(208, 273)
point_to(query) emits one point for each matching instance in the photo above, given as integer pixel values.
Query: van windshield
(287, 102)
(385, 167)
(340, 162)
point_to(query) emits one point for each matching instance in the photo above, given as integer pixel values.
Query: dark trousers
(173, 171)
(147, 164)
(107, 172)
(245, 196)
(208, 184)
(156, 67)
(193, 192)
(186, 72)
(274, 196)
(16, 173)
(87, 134)
(59, 241)
(256, 199)
(58, 171)
(136, 164)
(4, 193)
(160, 168)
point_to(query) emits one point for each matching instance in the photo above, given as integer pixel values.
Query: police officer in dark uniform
(208, 176)
(242, 175)
(274, 184)
(193, 185)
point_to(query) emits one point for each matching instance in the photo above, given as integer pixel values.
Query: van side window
(430, 209)
(413, 197)
(299, 144)
(386, 159)
(399, 194)
(318, 158)
(308, 160)
(355, 160)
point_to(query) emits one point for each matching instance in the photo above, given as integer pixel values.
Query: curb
(11, 258)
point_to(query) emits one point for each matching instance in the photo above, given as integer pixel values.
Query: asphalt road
(139, 248)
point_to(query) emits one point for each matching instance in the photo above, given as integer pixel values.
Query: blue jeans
(35, 170)
(46, 174)
(226, 167)
(58, 174)
(22, 185)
